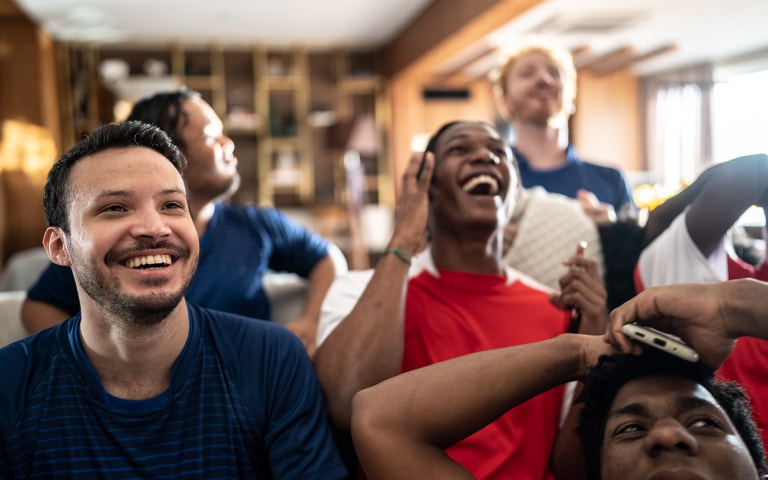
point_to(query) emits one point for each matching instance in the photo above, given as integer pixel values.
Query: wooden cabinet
(290, 112)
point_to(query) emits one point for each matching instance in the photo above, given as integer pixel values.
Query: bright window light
(740, 116)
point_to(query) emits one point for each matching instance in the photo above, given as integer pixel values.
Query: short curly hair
(612, 372)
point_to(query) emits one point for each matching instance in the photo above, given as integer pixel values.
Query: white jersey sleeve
(673, 258)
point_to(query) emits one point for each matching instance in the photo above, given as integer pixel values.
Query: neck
(134, 362)
(541, 145)
(467, 253)
(202, 210)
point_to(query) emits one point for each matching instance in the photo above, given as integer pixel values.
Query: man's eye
(705, 422)
(629, 428)
(114, 208)
(174, 205)
(457, 149)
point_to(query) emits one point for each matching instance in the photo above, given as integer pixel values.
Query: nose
(485, 155)
(150, 223)
(669, 435)
(227, 144)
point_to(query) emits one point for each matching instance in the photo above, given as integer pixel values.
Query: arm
(596, 210)
(717, 198)
(51, 299)
(709, 317)
(367, 346)
(36, 316)
(404, 418)
(305, 326)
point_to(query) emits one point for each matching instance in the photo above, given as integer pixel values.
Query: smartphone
(660, 340)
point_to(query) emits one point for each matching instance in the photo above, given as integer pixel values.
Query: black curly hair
(165, 111)
(612, 372)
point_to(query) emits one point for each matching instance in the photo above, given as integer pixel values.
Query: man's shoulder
(235, 334)
(25, 363)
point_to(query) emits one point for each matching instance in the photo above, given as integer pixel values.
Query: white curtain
(678, 124)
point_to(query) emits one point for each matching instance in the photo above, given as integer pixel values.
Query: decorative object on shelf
(155, 68)
(286, 171)
(363, 140)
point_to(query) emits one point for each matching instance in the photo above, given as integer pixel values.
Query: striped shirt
(243, 402)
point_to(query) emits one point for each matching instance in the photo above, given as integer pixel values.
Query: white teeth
(482, 179)
(149, 260)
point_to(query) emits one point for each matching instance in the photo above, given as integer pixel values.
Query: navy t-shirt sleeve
(295, 249)
(56, 286)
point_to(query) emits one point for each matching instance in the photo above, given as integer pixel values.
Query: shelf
(270, 99)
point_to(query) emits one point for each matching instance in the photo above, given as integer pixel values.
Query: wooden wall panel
(606, 127)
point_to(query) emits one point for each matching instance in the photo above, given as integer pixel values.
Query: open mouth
(482, 184)
(149, 261)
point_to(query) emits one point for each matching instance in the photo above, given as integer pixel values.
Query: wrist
(403, 255)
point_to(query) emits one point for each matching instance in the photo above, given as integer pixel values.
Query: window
(740, 115)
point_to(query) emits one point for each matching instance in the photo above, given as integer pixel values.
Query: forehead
(663, 394)
(535, 58)
(124, 168)
(469, 130)
(198, 111)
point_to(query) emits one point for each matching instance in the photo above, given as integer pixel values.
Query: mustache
(114, 256)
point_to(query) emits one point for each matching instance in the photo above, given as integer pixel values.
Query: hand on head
(693, 312)
(412, 208)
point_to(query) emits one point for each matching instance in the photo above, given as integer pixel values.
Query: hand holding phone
(660, 340)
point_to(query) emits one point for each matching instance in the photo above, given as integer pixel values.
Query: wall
(412, 115)
(29, 130)
(607, 125)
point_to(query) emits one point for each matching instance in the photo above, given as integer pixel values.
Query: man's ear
(56, 246)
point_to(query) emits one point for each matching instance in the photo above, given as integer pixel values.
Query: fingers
(419, 171)
(426, 167)
(613, 334)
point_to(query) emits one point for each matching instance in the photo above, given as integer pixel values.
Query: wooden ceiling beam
(620, 54)
(460, 69)
(446, 27)
(608, 68)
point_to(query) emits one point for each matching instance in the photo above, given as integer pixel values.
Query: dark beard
(132, 311)
(139, 312)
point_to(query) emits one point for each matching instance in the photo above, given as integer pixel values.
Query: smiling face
(668, 427)
(474, 181)
(537, 90)
(211, 163)
(132, 246)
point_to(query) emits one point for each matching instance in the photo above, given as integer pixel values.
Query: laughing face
(211, 162)
(133, 247)
(474, 181)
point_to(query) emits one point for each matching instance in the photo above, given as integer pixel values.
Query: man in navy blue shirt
(535, 90)
(141, 384)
